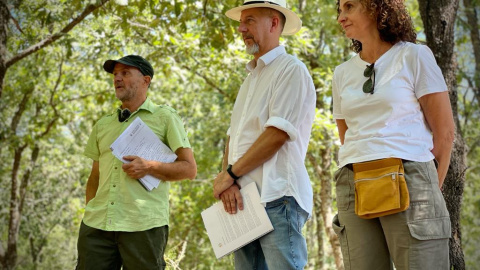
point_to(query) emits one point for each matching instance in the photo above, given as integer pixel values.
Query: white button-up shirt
(278, 92)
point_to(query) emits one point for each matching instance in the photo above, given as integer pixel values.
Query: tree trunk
(18, 192)
(9, 259)
(475, 38)
(438, 17)
(318, 236)
(323, 202)
(4, 16)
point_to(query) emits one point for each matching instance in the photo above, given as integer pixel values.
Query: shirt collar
(146, 105)
(267, 58)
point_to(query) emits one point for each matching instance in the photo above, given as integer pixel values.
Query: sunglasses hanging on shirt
(369, 85)
(123, 115)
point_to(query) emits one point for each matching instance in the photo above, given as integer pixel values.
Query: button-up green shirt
(122, 203)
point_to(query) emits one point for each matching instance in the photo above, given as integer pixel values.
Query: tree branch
(205, 4)
(207, 80)
(15, 21)
(22, 106)
(37, 251)
(49, 40)
(85, 96)
(475, 38)
(474, 31)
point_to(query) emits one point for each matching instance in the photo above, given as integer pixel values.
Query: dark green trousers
(99, 249)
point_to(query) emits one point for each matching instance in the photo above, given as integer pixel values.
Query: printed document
(228, 232)
(139, 140)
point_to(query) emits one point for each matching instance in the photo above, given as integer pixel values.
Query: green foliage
(199, 64)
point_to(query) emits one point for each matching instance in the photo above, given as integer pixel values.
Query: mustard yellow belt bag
(380, 188)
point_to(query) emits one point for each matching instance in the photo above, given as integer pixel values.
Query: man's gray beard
(253, 49)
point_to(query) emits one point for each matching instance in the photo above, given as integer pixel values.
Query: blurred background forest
(53, 89)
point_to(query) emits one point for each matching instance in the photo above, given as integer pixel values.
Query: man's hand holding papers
(232, 198)
(227, 232)
(137, 168)
(139, 145)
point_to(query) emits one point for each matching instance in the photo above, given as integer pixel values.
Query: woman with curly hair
(395, 123)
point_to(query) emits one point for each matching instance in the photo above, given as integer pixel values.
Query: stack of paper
(139, 140)
(228, 232)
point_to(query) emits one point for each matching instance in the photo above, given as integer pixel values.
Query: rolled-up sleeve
(292, 89)
(284, 125)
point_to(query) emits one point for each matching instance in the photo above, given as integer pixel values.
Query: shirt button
(115, 168)
(114, 185)
(112, 203)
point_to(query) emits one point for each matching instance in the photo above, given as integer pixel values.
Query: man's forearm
(269, 142)
(92, 182)
(178, 170)
(225, 155)
(91, 190)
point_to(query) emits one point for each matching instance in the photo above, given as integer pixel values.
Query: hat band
(260, 2)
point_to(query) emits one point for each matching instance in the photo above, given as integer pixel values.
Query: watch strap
(229, 171)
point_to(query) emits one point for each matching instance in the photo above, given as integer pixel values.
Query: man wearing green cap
(124, 224)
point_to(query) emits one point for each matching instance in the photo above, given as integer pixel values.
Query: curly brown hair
(393, 21)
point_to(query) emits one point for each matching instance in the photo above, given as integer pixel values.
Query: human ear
(147, 79)
(275, 24)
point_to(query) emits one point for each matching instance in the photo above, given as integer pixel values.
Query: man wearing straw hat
(268, 137)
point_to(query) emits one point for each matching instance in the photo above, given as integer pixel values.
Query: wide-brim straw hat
(292, 21)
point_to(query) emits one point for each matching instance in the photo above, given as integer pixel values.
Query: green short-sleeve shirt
(122, 203)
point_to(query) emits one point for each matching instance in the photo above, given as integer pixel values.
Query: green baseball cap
(131, 60)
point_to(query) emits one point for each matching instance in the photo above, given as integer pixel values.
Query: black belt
(350, 165)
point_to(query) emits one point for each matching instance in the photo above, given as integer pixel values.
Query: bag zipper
(393, 174)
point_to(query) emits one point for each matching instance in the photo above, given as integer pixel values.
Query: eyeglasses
(369, 85)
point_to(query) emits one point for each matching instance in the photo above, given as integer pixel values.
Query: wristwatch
(229, 171)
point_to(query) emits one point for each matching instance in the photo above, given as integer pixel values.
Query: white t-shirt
(390, 122)
(277, 92)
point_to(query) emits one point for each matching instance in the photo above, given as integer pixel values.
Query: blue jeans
(284, 247)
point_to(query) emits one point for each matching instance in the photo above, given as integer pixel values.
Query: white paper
(228, 232)
(139, 140)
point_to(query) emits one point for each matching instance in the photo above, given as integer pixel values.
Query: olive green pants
(414, 239)
(98, 250)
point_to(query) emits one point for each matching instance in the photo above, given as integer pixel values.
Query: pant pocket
(427, 229)
(428, 248)
(343, 188)
(342, 237)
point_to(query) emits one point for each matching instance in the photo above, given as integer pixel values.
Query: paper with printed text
(139, 140)
(228, 232)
